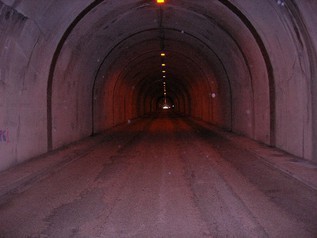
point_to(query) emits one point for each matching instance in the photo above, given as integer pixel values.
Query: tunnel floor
(164, 176)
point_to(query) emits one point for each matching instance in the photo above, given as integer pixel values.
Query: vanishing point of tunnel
(158, 118)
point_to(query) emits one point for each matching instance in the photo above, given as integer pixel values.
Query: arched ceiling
(119, 43)
(85, 66)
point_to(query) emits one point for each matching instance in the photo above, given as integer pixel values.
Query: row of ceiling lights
(163, 55)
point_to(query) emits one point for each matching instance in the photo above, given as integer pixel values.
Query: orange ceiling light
(163, 54)
(160, 1)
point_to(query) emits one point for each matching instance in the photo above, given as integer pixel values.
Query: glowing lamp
(160, 1)
(163, 54)
(163, 65)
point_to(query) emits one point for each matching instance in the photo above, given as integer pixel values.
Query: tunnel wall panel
(307, 10)
(71, 104)
(30, 41)
(293, 103)
(242, 94)
(22, 114)
(283, 38)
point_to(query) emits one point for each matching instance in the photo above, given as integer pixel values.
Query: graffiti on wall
(4, 136)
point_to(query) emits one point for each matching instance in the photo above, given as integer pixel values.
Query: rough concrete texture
(69, 69)
(162, 177)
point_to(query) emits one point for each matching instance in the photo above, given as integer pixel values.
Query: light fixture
(160, 1)
(163, 71)
(163, 65)
(163, 54)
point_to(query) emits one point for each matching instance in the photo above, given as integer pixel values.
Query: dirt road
(162, 177)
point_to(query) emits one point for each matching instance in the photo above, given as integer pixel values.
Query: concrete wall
(287, 41)
(22, 112)
(28, 41)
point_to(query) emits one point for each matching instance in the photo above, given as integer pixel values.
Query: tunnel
(72, 70)
(69, 71)
(244, 67)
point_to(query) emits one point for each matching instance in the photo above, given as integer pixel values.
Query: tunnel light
(163, 71)
(160, 1)
(163, 65)
(163, 54)
(164, 76)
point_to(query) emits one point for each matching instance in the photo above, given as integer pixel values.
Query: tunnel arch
(267, 61)
(131, 66)
(241, 130)
(170, 69)
(278, 63)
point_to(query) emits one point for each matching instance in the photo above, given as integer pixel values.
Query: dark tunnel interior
(206, 73)
(244, 66)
